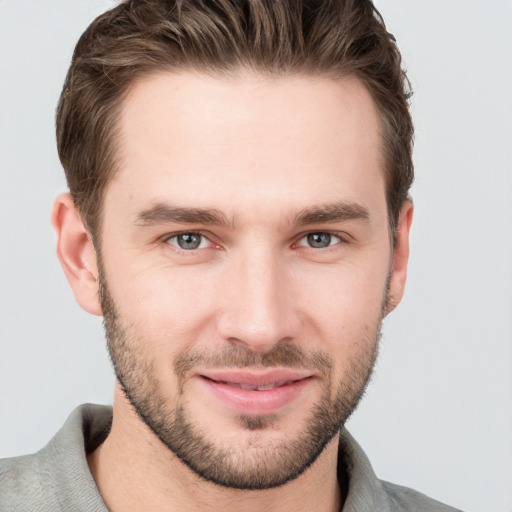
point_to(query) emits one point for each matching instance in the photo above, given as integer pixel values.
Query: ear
(400, 257)
(76, 254)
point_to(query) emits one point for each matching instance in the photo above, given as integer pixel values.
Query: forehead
(231, 142)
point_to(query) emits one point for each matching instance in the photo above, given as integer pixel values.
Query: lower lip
(253, 402)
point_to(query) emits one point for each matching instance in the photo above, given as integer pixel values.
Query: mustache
(236, 356)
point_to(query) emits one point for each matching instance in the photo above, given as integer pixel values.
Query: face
(245, 267)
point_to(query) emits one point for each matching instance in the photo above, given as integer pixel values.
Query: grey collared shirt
(57, 478)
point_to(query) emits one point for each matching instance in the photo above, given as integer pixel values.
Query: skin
(261, 151)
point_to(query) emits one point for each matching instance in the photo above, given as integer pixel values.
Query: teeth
(265, 387)
(242, 386)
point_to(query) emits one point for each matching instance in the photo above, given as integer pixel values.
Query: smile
(253, 393)
(262, 387)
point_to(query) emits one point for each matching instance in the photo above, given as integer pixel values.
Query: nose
(259, 310)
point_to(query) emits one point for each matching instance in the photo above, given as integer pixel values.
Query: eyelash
(341, 239)
(313, 233)
(175, 236)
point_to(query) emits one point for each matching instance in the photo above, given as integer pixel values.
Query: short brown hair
(335, 38)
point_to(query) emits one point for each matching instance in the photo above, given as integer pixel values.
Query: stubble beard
(262, 465)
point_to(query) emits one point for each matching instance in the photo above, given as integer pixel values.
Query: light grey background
(438, 415)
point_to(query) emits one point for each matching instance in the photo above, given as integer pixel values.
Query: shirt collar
(88, 425)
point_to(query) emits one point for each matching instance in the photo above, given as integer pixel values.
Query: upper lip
(255, 378)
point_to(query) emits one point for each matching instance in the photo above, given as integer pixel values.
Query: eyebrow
(162, 213)
(332, 212)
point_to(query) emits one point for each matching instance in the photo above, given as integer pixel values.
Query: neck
(135, 471)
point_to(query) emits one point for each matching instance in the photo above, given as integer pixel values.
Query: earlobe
(76, 253)
(400, 257)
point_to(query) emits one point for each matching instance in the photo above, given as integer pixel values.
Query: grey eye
(319, 240)
(189, 241)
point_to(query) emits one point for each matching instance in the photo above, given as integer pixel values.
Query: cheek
(349, 285)
(344, 305)
(168, 306)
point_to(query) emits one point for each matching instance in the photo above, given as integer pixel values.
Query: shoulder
(406, 499)
(57, 478)
(365, 491)
(21, 483)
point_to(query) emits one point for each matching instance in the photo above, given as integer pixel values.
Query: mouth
(256, 393)
(248, 387)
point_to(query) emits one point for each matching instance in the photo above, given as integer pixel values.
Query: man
(239, 214)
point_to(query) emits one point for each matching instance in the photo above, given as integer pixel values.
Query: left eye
(189, 241)
(319, 240)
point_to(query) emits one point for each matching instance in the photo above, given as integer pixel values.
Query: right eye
(189, 241)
